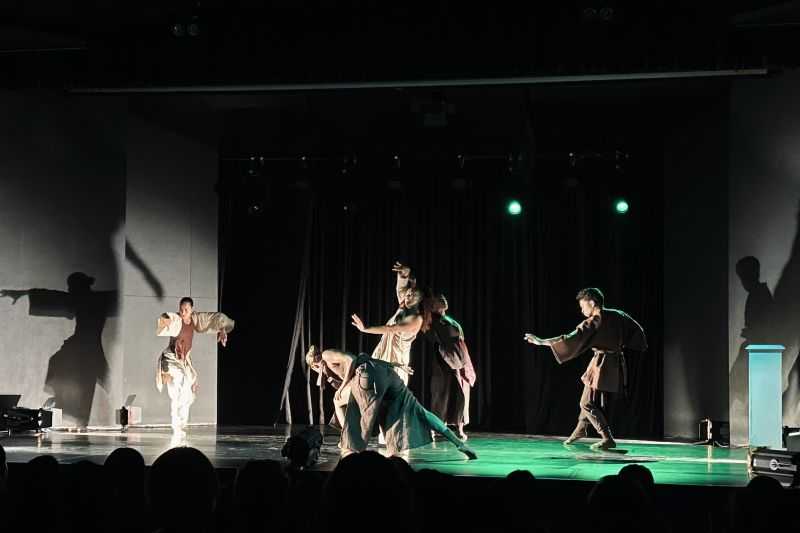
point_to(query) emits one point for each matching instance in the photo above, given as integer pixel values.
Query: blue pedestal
(765, 395)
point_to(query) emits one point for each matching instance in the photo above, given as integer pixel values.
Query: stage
(498, 454)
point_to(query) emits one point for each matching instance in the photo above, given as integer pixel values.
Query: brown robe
(608, 335)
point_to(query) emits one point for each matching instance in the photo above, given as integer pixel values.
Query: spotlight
(253, 168)
(458, 184)
(193, 28)
(621, 206)
(394, 185)
(514, 208)
(178, 30)
(606, 13)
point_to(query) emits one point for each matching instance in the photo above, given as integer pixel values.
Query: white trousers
(180, 393)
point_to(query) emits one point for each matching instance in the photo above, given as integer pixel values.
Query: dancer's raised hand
(401, 269)
(407, 369)
(358, 323)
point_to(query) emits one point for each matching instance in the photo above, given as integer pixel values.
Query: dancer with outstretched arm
(607, 332)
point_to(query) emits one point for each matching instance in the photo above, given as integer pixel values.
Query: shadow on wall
(133, 257)
(785, 320)
(758, 329)
(80, 363)
(770, 319)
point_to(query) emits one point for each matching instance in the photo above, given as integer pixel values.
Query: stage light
(621, 206)
(514, 208)
(193, 28)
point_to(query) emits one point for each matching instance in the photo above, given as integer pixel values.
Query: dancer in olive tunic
(370, 393)
(607, 332)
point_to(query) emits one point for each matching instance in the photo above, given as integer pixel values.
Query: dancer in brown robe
(452, 373)
(608, 332)
(370, 393)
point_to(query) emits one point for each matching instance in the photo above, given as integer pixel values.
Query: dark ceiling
(71, 44)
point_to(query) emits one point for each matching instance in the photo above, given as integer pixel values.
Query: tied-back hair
(430, 301)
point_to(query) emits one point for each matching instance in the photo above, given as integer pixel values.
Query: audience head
(182, 478)
(359, 476)
(641, 476)
(617, 504)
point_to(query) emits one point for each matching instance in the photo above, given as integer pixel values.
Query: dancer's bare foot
(578, 433)
(471, 455)
(605, 444)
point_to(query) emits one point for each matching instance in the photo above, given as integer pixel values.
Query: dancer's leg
(437, 425)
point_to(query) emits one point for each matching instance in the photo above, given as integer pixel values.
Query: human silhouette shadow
(80, 363)
(759, 328)
(786, 320)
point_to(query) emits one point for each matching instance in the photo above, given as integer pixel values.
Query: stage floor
(499, 454)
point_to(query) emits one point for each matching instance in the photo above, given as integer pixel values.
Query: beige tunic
(202, 323)
(396, 347)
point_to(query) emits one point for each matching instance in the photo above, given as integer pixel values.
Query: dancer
(607, 332)
(175, 362)
(370, 393)
(452, 374)
(401, 330)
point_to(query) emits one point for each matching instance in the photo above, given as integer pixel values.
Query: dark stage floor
(499, 454)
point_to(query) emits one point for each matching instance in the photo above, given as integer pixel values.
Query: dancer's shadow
(786, 322)
(759, 328)
(80, 363)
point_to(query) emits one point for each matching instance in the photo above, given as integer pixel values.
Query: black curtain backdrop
(503, 276)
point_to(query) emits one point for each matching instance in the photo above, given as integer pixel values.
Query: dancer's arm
(340, 363)
(218, 323)
(404, 280)
(13, 294)
(169, 325)
(411, 325)
(533, 339)
(567, 347)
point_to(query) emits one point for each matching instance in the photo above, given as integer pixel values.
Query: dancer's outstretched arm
(533, 339)
(411, 325)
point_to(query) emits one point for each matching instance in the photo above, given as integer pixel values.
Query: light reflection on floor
(499, 454)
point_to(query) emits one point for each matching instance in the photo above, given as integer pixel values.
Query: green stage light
(514, 208)
(621, 206)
